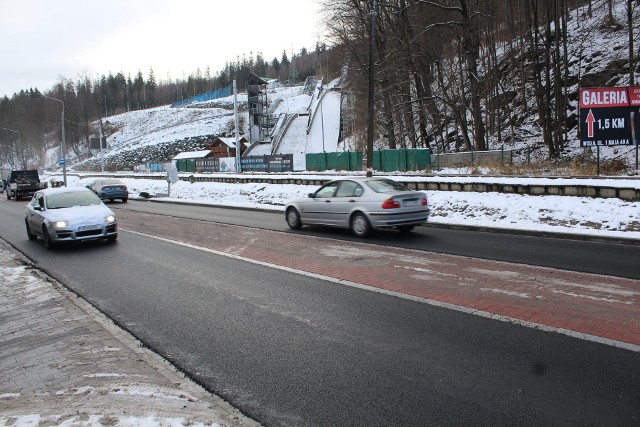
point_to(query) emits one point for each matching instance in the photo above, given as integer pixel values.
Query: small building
(226, 147)
(186, 161)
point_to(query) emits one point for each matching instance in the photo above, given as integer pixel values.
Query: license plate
(89, 227)
(410, 202)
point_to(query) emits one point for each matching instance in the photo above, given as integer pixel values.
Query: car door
(318, 209)
(34, 216)
(344, 202)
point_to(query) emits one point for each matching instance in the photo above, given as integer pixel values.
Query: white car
(69, 214)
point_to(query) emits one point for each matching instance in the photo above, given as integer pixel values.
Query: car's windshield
(70, 199)
(386, 185)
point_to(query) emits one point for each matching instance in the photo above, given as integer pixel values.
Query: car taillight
(425, 202)
(390, 204)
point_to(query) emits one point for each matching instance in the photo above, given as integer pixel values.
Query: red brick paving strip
(604, 306)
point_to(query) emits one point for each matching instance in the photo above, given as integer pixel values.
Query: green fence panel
(401, 160)
(186, 165)
(316, 162)
(355, 160)
(342, 161)
(384, 160)
(389, 161)
(338, 161)
(418, 159)
(375, 164)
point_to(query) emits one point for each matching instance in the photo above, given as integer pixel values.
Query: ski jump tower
(260, 121)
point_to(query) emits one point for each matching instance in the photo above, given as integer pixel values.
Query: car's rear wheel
(406, 228)
(360, 226)
(293, 219)
(30, 235)
(124, 200)
(48, 243)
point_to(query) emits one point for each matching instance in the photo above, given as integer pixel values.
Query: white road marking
(458, 308)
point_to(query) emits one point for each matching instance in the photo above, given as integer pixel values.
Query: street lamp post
(372, 62)
(62, 150)
(12, 147)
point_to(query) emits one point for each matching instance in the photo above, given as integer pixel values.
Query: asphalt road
(599, 257)
(293, 350)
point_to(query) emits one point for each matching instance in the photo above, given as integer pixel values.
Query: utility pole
(372, 62)
(236, 121)
(63, 159)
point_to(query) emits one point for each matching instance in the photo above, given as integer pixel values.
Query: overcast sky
(43, 40)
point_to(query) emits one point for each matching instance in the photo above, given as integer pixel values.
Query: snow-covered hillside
(309, 122)
(598, 57)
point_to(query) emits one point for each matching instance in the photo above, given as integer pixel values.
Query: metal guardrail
(575, 190)
(472, 158)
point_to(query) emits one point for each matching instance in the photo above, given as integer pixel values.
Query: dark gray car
(360, 204)
(110, 189)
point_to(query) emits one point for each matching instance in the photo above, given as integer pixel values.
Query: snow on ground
(560, 214)
(295, 142)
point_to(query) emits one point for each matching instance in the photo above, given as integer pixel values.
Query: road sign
(605, 116)
(61, 163)
(172, 173)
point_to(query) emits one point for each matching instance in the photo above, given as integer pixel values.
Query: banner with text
(609, 116)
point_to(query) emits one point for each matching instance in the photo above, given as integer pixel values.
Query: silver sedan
(360, 204)
(69, 214)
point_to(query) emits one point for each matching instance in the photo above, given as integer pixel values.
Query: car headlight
(60, 224)
(110, 218)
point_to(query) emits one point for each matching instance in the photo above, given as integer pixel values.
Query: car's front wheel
(293, 219)
(360, 226)
(30, 235)
(48, 243)
(124, 200)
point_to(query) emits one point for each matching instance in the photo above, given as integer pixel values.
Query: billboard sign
(606, 116)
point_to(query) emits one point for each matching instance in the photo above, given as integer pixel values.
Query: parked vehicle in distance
(360, 204)
(110, 189)
(69, 214)
(23, 183)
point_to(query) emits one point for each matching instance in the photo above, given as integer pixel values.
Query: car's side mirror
(312, 195)
(37, 208)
